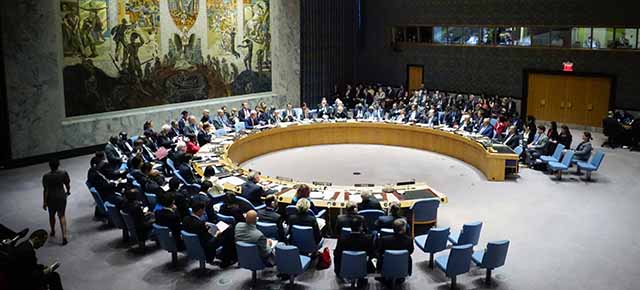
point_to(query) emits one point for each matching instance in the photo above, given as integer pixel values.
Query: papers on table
(316, 195)
(232, 180)
(378, 196)
(392, 198)
(321, 223)
(327, 195)
(222, 226)
(355, 198)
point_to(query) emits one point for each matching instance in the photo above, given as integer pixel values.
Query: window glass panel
(412, 34)
(602, 38)
(525, 37)
(456, 35)
(626, 38)
(509, 36)
(399, 34)
(488, 36)
(472, 35)
(540, 37)
(426, 33)
(561, 37)
(440, 35)
(581, 37)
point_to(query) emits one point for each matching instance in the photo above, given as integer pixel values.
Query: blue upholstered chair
(218, 198)
(370, 217)
(194, 249)
(249, 258)
(194, 186)
(457, 262)
(151, 199)
(470, 234)
(248, 204)
(137, 185)
(116, 219)
(592, 165)
(239, 126)
(291, 209)
(433, 242)
(290, 262)
(302, 237)
(166, 241)
(559, 167)
(131, 227)
(424, 211)
(100, 205)
(385, 232)
(353, 266)
(518, 150)
(171, 165)
(493, 257)
(345, 232)
(557, 154)
(225, 218)
(269, 230)
(220, 132)
(395, 265)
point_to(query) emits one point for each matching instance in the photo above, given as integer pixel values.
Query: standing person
(57, 186)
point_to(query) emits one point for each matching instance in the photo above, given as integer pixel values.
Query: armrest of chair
(259, 207)
(321, 213)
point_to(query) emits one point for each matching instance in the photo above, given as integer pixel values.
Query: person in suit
(183, 121)
(303, 218)
(252, 120)
(175, 130)
(486, 129)
(167, 216)
(204, 197)
(221, 121)
(372, 114)
(386, 221)
(552, 134)
(289, 115)
(431, 118)
(538, 147)
(180, 197)
(252, 191)
(369, 201)
(143, 219)
(204, 135)
(244, 112)
(270, 215)
(185, 169)
(105, 186)
(135, 165)
(340, 113)
(26, 273)
(114, 155)
(57, 187)
(206, 118)
(583, 151)
(192, 127)
(164, 139)
(414, 115)
(194, 224)
(398, 241)
(247, 232)
(513, 138)
(345, 220)
(231, 207)
(153, 180)
(357, 240)
(124, 144)
(306, 113)
(466, 124)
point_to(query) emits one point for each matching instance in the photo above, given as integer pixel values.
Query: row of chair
(561, 163)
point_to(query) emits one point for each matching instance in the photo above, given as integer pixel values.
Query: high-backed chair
(193, 186)
(302, 237)
(424, 211)
(385, 232)
(470, 234)
(290, 262)
(227, 219)
(116, 219)
(194, 249)
(249, 258)
(269, 230)
(171, 165)
(166, 241)
(433, 242)
(100, 207)
(395, 265)
(133, 233)
(353, 266)
(370, 217)
(493, 257)
(559, 167)
(345, 232)
(592, 165)
(248, 204)
(557, 154)
(457, 262)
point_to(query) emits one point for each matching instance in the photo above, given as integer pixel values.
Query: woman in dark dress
(565, 137)
(57, 186)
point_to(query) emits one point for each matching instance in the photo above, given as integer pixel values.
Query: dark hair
(554, 126)
(204, 187)
(352, 208)
(146, 167)
(187, 157)
(209, 171)
(541, 127)
(269, 200)
(166, 200)
(136, 162)
(303, 191)
(147, 124)
(197, 205)
(174, 183)
(356, 224)
(394, 209)
(184, 113)
(54, 164)
(588, 135)
(131, 194)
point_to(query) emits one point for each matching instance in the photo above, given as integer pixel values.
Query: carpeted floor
(564, 235)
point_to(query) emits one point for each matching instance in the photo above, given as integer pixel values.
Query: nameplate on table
(364, 185)
(321, 183)
(287, 179)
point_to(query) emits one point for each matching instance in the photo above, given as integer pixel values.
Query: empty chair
(270, 230)
(116, 219)
(592, 165)
(395, 266)
(194, 249)
(220, 132)
(166, 241)
(493, 257)
(557, 154)
(470, 234)
(101, 210)
(249, 258)
(248, 204)
(559, 167)
(290, 262)
(457, 262)
(433, 242)
(131, 227)
(424, 211)
(370, 217)
(353, 266)
(302, 237)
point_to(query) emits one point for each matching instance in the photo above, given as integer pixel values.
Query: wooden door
(415, 77)
(597, 101)
(574, 108)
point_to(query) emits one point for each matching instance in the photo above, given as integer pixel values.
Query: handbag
(324, 260)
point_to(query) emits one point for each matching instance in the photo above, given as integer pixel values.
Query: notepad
(316, 195)
(232, 180)
(355, 198)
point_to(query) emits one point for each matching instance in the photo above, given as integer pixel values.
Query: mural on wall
(124, 54)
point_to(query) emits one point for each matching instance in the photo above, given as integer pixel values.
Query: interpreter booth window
(603, 38)
(456, 35)
(513, 36)
(626, 38)
(488, 36)
(440, 35)
(426, 34)
(472, 35)
(561, 37)
(398, 34)
(412, 34)
(540, 37)
(581, 37)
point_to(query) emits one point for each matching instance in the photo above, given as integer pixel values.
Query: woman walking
(57, 187)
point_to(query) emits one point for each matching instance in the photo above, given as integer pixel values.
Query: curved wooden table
(492, 164)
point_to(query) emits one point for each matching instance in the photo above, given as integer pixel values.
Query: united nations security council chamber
(319, 144)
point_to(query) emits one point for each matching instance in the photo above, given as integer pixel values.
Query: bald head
(252, 217)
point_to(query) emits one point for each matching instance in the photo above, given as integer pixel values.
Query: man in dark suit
(513, 139)
(185, 169)
(303, 218)
(252, 191)
(398, 241)
(356, 241)
(193, 224)
(386, 221)
(114, 155)
(270, 215)
(183, 121)
(204, 137)
(347, 219)
(368, 202)
(221, 120)
(251, 121)
(167, 216)
(26, 273)
(244, 112)
(486, 129)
